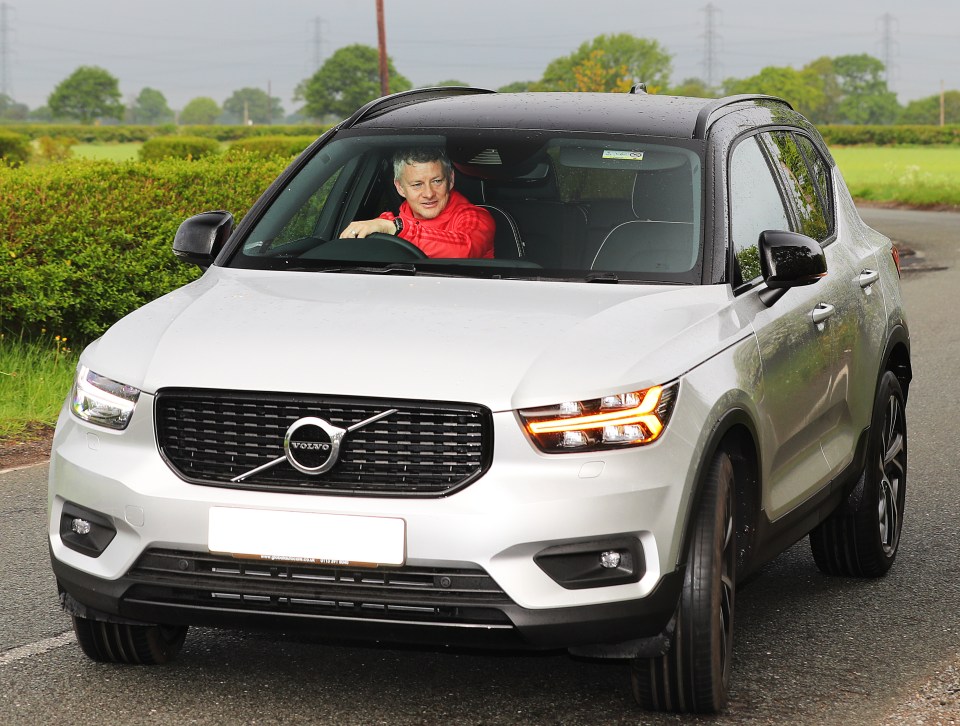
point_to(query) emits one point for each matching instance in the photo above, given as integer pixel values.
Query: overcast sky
(190, 48)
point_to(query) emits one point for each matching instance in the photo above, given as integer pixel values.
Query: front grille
(458, 597)
(422, 449)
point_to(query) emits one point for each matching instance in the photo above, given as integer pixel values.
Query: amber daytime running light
(624, 419)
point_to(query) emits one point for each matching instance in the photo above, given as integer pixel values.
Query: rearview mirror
(788, 259)
(201, 237)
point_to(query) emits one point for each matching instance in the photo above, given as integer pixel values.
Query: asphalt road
(810, 649)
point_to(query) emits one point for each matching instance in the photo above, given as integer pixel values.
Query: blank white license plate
(337, 539)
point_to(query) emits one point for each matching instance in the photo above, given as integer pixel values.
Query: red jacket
(462, 229)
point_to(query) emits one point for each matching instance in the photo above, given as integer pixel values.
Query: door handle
(868, 277)
(821, 312)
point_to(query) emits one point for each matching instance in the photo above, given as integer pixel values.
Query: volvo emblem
(312, 445)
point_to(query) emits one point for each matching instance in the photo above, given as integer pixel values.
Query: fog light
(610, 559)
(598, 563)
(84, 530)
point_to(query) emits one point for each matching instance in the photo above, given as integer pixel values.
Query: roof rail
(403, 98)
(703, 118)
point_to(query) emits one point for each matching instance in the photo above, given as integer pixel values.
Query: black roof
(619, 113)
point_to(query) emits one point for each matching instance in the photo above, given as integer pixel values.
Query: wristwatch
(398, 223)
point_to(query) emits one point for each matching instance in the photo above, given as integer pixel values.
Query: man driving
(434, 217)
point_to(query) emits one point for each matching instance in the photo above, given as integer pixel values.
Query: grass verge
(918, 176)
(34, 378)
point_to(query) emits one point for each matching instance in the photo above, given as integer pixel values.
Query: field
(921, 176)
(108, 152)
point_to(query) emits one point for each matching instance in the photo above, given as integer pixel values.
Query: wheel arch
(734, 433)
(896, 358)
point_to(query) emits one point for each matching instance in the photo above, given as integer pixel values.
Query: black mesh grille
(422, 449)
(408, 594)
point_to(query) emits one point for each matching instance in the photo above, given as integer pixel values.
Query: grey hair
(420, 155)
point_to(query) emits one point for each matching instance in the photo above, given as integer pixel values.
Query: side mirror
(788, 259)
(201, 237)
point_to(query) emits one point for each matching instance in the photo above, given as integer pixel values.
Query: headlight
(102, 401)
(624, 419)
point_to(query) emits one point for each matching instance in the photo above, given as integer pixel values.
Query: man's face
(426, 188)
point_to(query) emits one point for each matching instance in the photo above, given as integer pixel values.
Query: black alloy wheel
(862, 541)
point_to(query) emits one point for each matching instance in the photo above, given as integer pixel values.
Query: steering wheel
(385, 242)
(374, 248)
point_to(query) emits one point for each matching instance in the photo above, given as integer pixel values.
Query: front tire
(864, 542)
(694, 674)
(131, 644)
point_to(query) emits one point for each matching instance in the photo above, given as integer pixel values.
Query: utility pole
(4, 52)
(710, 45)
(317, 43)
(888, 46)
(382, 42)
(942, 105)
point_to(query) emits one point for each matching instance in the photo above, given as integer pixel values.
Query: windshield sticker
(623, 155)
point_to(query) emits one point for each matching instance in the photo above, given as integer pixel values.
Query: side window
(801, 185)
(755, 206)
(821, 175)
(304, 221)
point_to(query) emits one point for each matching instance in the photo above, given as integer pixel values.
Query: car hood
(501, 343)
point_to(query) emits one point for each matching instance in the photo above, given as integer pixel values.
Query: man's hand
(362, 228)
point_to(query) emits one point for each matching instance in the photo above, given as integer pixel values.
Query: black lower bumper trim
(489, 623)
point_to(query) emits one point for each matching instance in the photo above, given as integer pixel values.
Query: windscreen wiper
(394, 268)
(607, 277)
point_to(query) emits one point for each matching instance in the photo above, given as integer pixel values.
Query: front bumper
(490, 531)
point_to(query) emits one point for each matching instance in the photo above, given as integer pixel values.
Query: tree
(866, 98)
(516, 87)
(450, 82)
(347, 80)
(695, 87)
(202, 111)
(845, 89)
(88, 93)
(609, 63)
(804, 90)
(151, 108)
(40, 114)
(10, 110)
(927, 110)
(828, 112)
(253, 104)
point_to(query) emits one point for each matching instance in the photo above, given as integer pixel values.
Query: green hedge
(834, 134)
(890, 135)
(233, 133)
(267, 146)
(85, 242)
(122, 133)
(178, 147)
(14, 148)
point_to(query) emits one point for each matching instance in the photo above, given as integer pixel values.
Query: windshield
(477, 203)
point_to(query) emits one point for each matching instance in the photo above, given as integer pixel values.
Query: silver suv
(685, 352)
